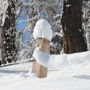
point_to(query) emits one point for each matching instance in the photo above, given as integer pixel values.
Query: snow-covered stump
(38, 69)
(43, 35)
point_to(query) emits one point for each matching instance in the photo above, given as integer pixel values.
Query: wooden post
(38, 69)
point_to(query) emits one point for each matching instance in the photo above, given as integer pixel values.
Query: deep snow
(19, 77)
(60, 61)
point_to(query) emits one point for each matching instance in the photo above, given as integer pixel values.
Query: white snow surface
(42, 29)
(60, 61)
(19, 77)
(69, 72)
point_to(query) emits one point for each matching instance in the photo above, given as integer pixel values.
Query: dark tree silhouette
(74, 40)
(9, 34)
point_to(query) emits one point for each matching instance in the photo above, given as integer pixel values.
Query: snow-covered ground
(69, 72)
(60, 61)
(19, 77)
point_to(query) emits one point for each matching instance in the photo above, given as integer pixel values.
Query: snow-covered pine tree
(9, 32)
(3, 7)
(86, 20)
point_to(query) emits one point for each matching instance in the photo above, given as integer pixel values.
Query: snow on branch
(60, 61)
(28, 20)
(87, 4)
(3, 7)
(37, 3)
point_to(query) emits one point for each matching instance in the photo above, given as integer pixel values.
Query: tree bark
(74, 40)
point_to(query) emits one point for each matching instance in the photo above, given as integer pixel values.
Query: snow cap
(42, 29)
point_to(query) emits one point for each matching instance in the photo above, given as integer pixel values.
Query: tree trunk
(74, 40)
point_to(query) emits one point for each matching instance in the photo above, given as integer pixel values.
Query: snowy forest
(45, 44)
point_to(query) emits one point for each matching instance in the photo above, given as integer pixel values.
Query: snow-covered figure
(43, 35)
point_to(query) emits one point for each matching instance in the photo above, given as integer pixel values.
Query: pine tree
(9, 33)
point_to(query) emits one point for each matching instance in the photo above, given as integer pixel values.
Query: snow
(19, 77)
(66, 72)
(3, 8)
(42, 29)
(68, 5)
(60, 61)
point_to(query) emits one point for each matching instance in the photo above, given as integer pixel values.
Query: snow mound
(50, 61)
(60, 61)
(42, 29)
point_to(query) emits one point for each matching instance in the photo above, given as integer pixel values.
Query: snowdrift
(62, 60)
